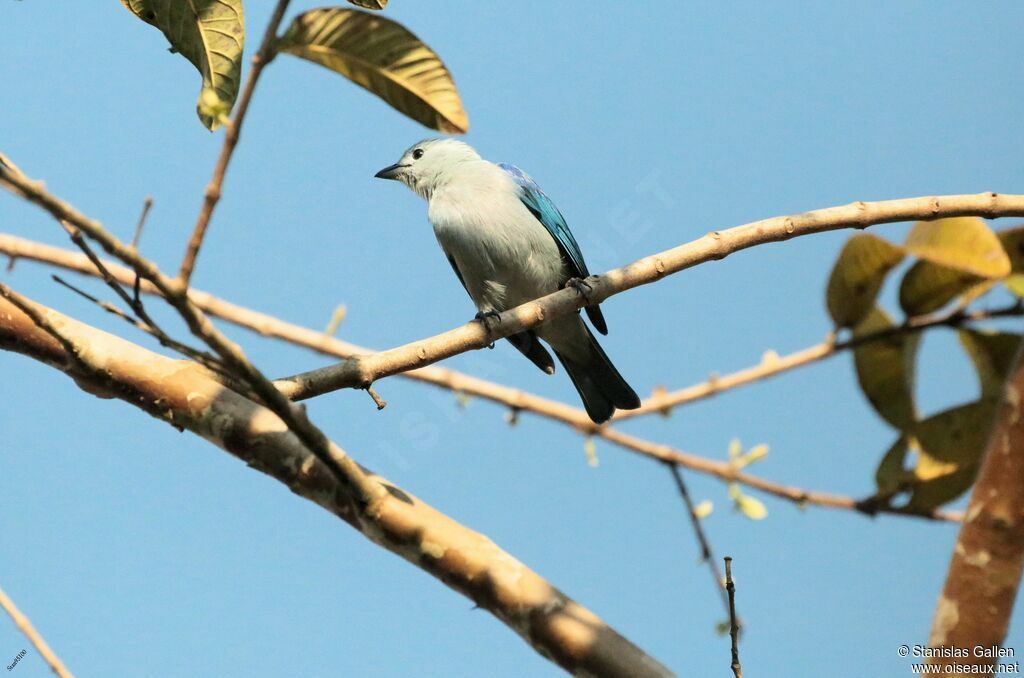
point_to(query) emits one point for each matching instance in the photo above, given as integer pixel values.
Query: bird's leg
(581, 286)
(488, 319)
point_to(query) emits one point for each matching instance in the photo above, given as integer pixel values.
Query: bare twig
(147, 205)
(515, 399)
(25, 626)
(263, 56)
(377, 400)
(185, 394)
(773, 366)
(204, 358)
(706, 554)
(734, 628)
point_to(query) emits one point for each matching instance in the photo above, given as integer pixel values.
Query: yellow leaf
(757, 452)
(210, 34)
(590, 449)
(963, 243)
(735, 448)
(751, 507)
(370, 4)
(703, 509)
(1015, 283)
(383, 57)
(885, 370)
(992, 354)
(857, 276)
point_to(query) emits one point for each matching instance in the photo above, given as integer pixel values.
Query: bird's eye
(417, 154)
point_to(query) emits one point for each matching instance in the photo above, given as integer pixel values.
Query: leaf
(590, 449)
(857, 277)
(951, 446)
(891, 474)
(703, 509)
(955, 254)
(370, 4)
(210, 34)
(1013, 242)
(927, 287)
(992, 354)
(751, 507)
(963, 243)
(885, 370)
(382, 57)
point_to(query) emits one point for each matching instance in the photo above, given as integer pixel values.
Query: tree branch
(988, 559)
(186, 395)
(461, 383)
(25, 626)
(233, 130)
(362, 371)
(662, 403)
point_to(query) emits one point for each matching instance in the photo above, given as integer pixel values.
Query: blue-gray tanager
(509, 244)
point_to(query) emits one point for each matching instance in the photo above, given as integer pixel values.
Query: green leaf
(210, 34)
(370, 4)
(951, 446)
(382, 57)
(927, 287)
(992, 354)
(955, 254)
(885, 369)
(891, 474)
(857, 277)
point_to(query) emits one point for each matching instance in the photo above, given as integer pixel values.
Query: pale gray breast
(505, 255)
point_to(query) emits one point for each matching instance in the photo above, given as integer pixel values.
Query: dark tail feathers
(600, 385)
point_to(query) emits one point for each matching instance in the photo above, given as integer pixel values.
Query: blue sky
(138, 550)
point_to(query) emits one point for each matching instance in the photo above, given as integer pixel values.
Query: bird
(508, 244)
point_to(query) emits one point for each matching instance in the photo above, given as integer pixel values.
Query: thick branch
(233, 130)
(363, 371)
(186, 395)
(988, 560)
(461, 383)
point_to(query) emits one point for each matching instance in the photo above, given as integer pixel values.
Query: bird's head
(427, 164)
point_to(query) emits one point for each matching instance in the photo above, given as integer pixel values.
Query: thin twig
(143, 321)
(706, 554)
(25, 626)
(515, 399)
(662, 403)
(734, 628)
(377, 400)
(43, 323)
(204, 358)
(263, 56)
(147, 204)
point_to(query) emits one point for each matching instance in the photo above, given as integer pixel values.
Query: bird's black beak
(389, 172)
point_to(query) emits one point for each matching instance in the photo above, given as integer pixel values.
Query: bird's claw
(488, 319)
(581, 286)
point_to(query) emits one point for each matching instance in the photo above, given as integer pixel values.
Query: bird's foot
(581, 286)
(489, 319)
